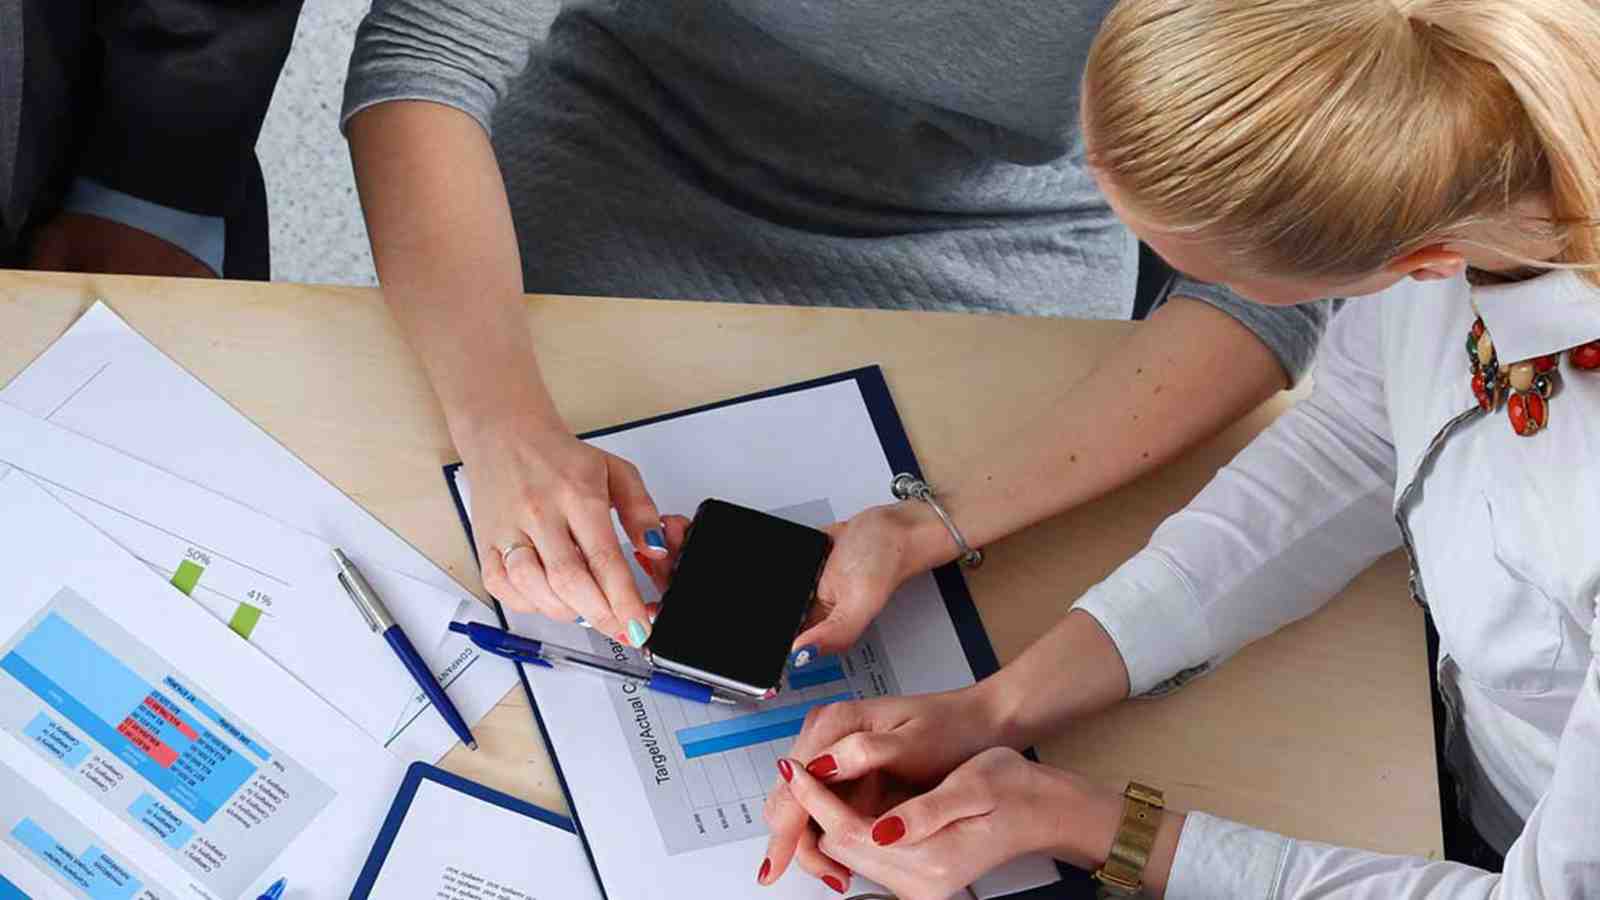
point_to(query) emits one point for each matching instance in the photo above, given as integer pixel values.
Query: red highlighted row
(141, 737)
(171, 717)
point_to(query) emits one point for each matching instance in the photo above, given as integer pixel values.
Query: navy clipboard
(415, 775)
(1075, 884)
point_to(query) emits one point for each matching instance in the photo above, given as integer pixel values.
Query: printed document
(453, 846)
(145, 751)
(234, 521)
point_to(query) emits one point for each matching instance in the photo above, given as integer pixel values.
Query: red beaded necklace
(1530, 383)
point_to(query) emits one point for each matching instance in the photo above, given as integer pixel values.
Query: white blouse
(1504, 533)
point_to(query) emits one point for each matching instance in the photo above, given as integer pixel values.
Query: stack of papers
(235, 521)
(145, 750)
(190, 705)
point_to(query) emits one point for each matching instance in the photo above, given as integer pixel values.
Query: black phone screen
(740, 592)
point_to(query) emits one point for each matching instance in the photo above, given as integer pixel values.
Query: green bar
(187, 576)
(244, 620)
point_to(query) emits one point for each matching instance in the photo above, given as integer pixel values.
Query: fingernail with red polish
(836, 884)
(766, 869)
(823, 766)
(888, 831)
(786, 770)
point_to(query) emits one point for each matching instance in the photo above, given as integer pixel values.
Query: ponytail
(1548, 51)
(1329, 137)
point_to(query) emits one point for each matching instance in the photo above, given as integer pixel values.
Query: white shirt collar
(1539, 316)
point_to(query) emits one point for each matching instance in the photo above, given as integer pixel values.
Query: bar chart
(751, 729)
(707, 769)
(246, 614)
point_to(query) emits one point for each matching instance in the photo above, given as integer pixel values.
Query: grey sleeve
(461, 53)
(1290, 332)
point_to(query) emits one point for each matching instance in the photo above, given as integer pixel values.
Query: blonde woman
(1444, 156)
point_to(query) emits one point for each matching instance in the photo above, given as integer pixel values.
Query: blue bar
(823, 670)
(162, 820)
(56, 740)
(755, 728)
(206, 771)
(9, 891)
(94, 873)
(79, 667)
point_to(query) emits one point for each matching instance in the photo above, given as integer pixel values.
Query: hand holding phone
(744, 583)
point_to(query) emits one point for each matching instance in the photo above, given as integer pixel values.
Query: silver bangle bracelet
(909, 487)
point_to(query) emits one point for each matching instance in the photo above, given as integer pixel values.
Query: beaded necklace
(1526, 386)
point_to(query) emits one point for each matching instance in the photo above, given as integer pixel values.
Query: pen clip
(361, 593)
(356, 599)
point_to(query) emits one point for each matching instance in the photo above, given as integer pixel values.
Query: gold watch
(1123, 872)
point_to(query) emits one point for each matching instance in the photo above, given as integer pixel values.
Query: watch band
(1123, 872)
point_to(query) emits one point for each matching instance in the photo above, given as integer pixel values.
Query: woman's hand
(542, 503)
(446, 253)
(913, 740)
(994, 808)
(874, 552)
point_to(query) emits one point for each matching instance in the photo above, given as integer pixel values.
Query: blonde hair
(1330, 137)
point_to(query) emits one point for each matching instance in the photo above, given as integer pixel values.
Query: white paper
(306, 622)
(213, 773)
(661, 792)
(453, 846)
(104, 382)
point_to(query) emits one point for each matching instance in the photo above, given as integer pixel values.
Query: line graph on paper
(707, 769)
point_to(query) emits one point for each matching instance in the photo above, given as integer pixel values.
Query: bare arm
(447, 256)
(446, 253)
(1184, 375)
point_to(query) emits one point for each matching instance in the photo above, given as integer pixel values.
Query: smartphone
(743, 585)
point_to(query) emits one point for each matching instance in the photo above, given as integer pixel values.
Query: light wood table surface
(1321, 731)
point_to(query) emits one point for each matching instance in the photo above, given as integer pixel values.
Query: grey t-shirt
(918, 154)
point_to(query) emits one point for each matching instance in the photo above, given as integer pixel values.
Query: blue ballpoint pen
(276, 891)
(543, 653)
(377, 616)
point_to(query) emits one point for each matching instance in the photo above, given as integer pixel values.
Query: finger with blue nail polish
(655, 543)
(657, 562)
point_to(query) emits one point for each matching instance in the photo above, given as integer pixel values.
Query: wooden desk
(1321, 731)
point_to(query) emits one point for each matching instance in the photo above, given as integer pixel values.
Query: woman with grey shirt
(916, 154)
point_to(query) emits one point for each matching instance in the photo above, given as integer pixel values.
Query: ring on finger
(509, 551)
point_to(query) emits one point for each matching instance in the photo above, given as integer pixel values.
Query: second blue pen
(543, 653)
